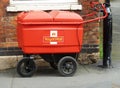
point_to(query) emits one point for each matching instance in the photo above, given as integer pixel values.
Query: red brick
(5, 1)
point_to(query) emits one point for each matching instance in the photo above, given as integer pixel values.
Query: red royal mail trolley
(55, 36)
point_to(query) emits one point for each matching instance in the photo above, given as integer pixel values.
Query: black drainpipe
(107, 36)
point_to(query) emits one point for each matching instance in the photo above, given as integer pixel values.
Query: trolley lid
(65, 16)
(53, 17)
(34, 16)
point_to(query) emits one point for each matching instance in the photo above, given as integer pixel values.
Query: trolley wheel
(67, 66)
(26, 67)
(53, 65)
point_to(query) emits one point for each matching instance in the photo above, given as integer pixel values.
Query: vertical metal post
(107, 36)
(107, 1)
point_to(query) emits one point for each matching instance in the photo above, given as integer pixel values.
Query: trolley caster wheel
(26, 67)
(67, 66)
(53, 65)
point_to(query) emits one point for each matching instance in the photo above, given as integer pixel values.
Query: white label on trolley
(53, 34)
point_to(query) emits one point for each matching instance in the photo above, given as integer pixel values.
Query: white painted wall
(26, 5)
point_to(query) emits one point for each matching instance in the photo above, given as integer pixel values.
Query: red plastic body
(40, 32)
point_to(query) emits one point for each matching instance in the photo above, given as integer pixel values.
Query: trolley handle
(97, 7)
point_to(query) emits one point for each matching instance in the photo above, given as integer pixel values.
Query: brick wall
(7, 26)
(91, 30)
(8, 40)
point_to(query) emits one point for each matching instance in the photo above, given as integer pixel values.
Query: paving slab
(6, 78)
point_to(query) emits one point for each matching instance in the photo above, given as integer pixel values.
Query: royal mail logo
(53, 33)
(53, 38)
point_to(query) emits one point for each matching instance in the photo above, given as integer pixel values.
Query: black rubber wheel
(26, 67)
(53, 65)
(67, 66)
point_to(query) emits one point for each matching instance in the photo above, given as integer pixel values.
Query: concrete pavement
(116, 29)
(87, 76)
